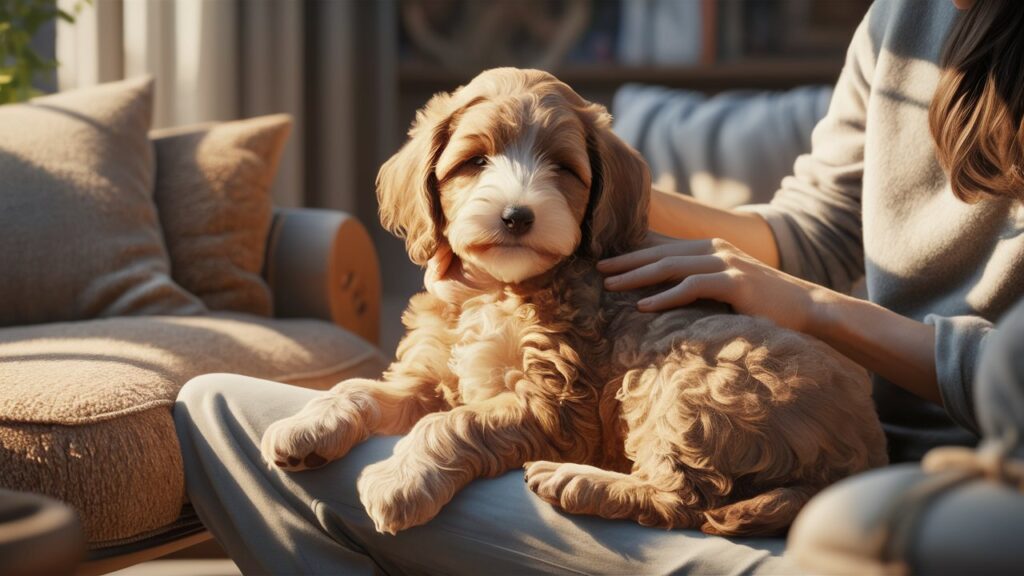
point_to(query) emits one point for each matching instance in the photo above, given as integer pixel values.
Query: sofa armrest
(322, 264)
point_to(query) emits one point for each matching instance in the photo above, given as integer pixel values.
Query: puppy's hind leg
(768, 513)
(582, 489)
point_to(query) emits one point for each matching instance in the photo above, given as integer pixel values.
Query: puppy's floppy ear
(407, 191)
(620, 192)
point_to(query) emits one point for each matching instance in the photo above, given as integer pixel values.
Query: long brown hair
(977, 114)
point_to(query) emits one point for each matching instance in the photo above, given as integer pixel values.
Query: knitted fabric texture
(81, 234)
(85, 407)
(213, 196)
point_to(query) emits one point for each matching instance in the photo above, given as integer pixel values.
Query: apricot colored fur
(693, 418)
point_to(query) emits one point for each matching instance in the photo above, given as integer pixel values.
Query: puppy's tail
(769, 513)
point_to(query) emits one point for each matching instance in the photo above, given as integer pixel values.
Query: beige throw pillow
(213, 195)
(80, 233)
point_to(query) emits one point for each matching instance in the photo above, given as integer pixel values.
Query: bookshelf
(730, 44)
(754, 73)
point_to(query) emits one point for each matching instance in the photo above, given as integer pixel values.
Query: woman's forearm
(895, 347)
(680, 216)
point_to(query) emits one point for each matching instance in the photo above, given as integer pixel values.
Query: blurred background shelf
(597, 46)
(754, 73)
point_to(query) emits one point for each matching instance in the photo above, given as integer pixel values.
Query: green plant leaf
(19, 63)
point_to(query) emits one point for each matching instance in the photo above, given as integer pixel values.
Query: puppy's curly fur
(515, 355)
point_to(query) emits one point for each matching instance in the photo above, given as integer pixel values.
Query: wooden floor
(182, 567)
(204, 559)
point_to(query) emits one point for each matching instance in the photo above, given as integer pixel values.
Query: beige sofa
(85, 407)
(134, 260)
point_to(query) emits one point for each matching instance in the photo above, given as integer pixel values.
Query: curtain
(217, 60)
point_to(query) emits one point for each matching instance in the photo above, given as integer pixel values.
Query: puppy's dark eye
(478, 161)
(567, 170)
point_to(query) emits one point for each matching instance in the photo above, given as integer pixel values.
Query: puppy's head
(515, 172)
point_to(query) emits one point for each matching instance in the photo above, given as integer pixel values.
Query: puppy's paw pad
(292, 463)
(314, 460)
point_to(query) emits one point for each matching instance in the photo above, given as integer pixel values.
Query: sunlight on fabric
(148, 29)
(189, 14)
(89, 49)
(206, 54)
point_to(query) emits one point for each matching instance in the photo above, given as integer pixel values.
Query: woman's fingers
(710, 286)
(632, 260)
(702, 268)
(664, 270)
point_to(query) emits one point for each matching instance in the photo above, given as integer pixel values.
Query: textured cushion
(81, 235)
(85, 407)
(213, 197)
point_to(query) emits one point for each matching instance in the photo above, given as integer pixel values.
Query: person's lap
(313, 522)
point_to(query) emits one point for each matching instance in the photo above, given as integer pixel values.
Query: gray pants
(312, 522)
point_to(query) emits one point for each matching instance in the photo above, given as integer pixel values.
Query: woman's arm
(680, 216)
(811, 229)
(897, 348)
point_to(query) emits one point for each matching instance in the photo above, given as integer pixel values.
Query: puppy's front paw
(399, 495)
(547, 480)
(571, 487)
(325, 430)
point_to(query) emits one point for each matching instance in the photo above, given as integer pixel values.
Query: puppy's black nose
(517, 219)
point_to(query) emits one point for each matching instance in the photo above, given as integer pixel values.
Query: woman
(873, 197)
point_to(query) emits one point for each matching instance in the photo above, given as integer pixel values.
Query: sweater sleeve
(959, 341)
(816, 214)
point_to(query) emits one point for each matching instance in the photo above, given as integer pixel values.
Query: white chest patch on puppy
(487, 357)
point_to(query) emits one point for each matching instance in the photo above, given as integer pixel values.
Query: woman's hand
(898, 348)
(716, 270)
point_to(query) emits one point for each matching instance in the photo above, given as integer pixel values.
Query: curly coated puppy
(509, 190)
